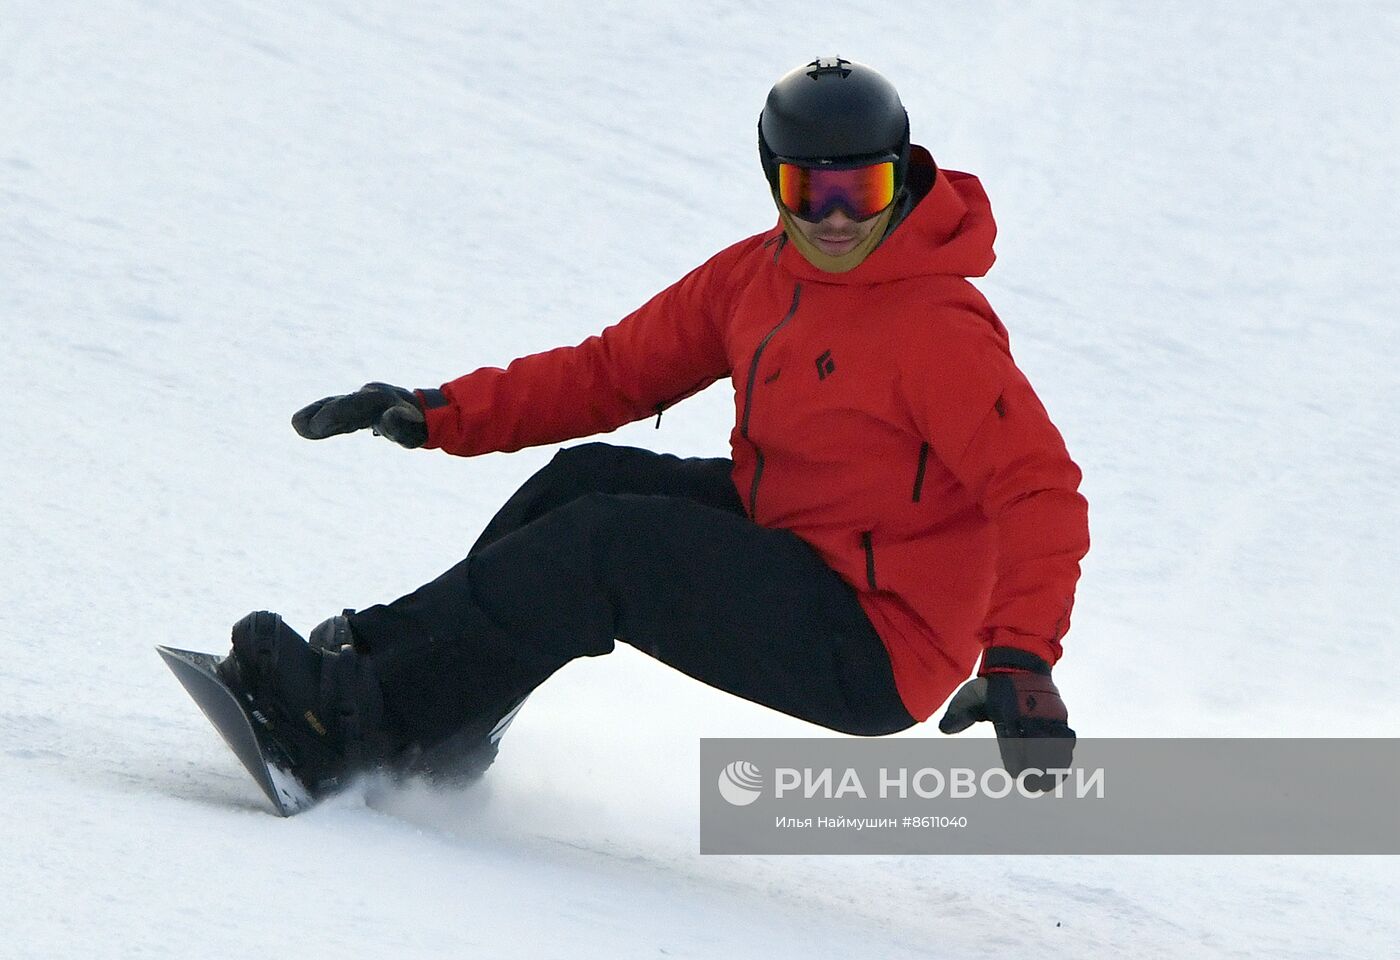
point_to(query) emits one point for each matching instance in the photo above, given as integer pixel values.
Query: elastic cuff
(995, 659)
(431, 399)
(437, 410)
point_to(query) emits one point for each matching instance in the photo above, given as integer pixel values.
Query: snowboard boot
(452, 760)
(321, 707)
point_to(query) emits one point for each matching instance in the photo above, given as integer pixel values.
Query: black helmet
(833, 111)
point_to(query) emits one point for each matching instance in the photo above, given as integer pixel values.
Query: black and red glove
(392, 412)
(1014, 691)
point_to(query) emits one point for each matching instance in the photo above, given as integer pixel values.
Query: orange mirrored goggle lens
(812, 193)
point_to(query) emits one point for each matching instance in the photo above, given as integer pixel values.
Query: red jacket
(878, 415)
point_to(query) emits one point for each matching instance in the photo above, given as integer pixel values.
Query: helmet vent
(823, 66)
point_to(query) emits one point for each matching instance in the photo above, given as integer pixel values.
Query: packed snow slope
(213, 213)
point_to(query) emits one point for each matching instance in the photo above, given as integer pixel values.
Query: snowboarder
(897, 504)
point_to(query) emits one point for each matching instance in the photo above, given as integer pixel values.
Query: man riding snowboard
(897, 503)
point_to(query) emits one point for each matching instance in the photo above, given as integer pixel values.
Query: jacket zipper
(748, 399)
(919, 477)
(665, 405)
(866, 542)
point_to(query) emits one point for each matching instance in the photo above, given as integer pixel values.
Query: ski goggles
(813, 193)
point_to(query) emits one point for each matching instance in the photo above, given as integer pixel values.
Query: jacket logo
(825, 366)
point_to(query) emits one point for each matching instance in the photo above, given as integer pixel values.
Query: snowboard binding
(321, 707)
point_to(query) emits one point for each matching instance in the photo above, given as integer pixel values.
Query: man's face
(837, 233)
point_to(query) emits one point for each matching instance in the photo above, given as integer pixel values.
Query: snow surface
(212, 213)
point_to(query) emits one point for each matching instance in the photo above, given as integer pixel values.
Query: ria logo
(740, 783)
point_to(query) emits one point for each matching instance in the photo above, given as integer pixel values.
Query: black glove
(1013, 689)
(389, 411)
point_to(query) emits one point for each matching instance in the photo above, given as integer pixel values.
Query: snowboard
(241, 727)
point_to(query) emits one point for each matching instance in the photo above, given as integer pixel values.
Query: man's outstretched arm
(666, 350)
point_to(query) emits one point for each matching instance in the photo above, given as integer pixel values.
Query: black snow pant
(613, 543)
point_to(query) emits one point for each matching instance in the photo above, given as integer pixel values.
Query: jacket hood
(949, 233)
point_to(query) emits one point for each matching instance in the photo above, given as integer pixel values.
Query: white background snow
(213, 213)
